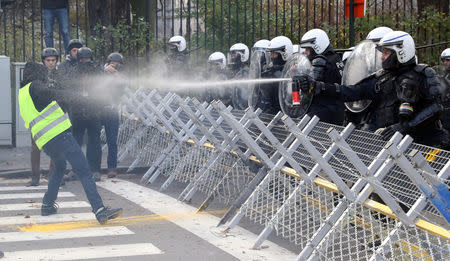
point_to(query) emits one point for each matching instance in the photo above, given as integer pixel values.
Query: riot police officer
(406, 97)
(238, 58)
(217, 71)
(259, 50)
(354, 113)
(445, 81)
(178, 58)
(327, 67)
(279, 51)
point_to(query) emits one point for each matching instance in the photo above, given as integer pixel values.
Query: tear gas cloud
(158, 76)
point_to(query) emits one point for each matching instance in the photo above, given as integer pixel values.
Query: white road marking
(81, 253)
(238, 243)
(64, 234)
(57, 218)
(18, 181)
(33, 195)
(14, 181)
(42, 187)
(30, 206)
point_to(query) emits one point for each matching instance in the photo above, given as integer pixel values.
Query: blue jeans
(49, 16)
(110, 119)
(93, 146)
(64, 148)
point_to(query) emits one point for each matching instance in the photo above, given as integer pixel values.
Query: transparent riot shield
(241, 92)
(363, 61)
(257, 63)
(297, 65)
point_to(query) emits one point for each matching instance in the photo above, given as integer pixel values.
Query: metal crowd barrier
(336, 192)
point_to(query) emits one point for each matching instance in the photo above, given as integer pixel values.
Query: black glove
(303, 82)
(388, 132)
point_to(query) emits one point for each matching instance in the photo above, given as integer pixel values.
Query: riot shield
(297, 65)
(257, 62)
(363, 61)
(241, 92)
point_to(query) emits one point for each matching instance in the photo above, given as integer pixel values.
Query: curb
(21, 173)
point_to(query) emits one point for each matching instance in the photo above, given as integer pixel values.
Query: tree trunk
(441, 5)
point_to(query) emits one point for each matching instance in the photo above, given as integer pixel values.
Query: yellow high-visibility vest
(45, 124)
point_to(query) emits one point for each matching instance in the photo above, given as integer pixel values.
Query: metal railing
(308, 181)
(212, 25)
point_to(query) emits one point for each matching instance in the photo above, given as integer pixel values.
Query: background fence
(321, 202)
(140, 28)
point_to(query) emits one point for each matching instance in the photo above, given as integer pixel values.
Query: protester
(49, 126)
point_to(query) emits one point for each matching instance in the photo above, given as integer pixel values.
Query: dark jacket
(85, 87)
(54, 4)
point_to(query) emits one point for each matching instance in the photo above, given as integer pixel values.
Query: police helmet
(376, 34)
(178, 42)
(316, 39)
(401, 43)
(114, 57)
(84, 54)
(445, 55)
(281, 45)
(48, 52)
(74, 43)
(219, 59)
(236, 51)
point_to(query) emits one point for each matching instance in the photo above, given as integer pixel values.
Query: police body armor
(327, 68)
(383, 111)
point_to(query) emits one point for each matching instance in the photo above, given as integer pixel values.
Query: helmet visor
(308, 42)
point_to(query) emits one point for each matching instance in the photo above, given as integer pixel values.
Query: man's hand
(304, 83)
(388, 132)
(111, 69)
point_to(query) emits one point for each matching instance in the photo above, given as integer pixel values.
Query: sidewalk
(16, 162)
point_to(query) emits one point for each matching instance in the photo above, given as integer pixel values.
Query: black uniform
(412, 86)
(269, 102)
(445, 81)
(327, 68)
(178, 62)
(68, 71)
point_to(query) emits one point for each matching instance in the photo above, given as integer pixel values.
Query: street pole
(352, 22)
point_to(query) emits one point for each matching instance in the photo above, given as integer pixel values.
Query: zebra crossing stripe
(81, 253)
(64, 234)
(22, 220)
(42, 187)
(19, 181)
(14, 181)
(33, 195)
(31, 206)
(200, 225)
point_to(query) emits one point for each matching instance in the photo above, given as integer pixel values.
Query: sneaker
(97, 176)
(112, 173)
(104, 214)
(47, 210)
